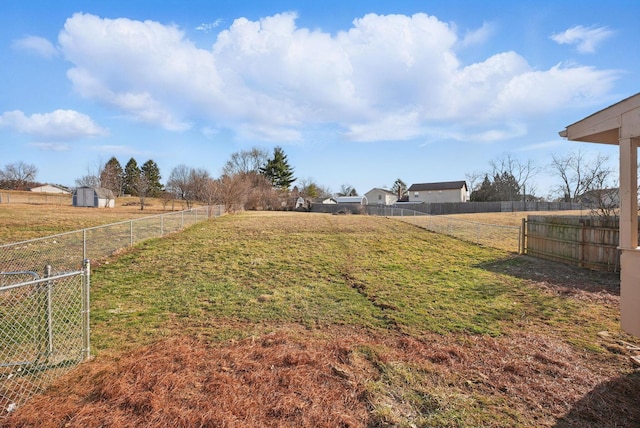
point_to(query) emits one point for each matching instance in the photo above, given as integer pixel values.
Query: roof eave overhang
(607, 126)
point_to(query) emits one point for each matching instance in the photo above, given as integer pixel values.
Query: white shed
(93, 197)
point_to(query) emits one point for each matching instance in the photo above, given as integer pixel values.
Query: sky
(356, 93)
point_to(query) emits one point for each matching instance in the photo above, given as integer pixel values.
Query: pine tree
(131, 177)
(151, 173)
(278, 170)
(112, 176)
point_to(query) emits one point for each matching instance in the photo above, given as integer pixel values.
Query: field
(295, 319)
(20, 222)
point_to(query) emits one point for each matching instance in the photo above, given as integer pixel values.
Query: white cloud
(479, 36)
(209, 26)
(586, 38)
(546, 145)
(52, 147)
(59, 125)
(388, 77)
(38, 45)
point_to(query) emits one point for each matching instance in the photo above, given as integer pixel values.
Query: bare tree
(580, 174)
(347, 190)
(246, 162)
(198, 184)
(142, 186)
(522, 171)
(89, 180)
(18, 176)
(474, 180)
(178, 182)
(232, 191)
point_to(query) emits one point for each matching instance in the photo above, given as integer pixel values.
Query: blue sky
(358, 92)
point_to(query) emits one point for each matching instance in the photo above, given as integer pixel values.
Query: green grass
(431, 305)
(318, 270)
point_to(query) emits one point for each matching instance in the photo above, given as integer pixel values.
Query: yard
(294, 319)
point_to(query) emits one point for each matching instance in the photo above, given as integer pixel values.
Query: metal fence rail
(508, 238)
(44, 331)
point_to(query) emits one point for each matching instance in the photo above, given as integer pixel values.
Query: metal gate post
(86, 284)
(48, 313)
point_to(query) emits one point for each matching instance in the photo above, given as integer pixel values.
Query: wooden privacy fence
(586, 242)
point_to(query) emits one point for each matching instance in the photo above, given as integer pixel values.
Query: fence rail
(507, 238)
(44, 297)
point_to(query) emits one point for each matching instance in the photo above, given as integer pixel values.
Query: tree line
(257, 179)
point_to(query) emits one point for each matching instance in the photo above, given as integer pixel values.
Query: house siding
(380, 197)
(455, 191)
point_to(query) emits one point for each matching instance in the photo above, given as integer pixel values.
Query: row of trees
(250, 180)
(580, 178)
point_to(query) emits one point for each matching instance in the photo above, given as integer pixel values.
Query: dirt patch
(560, 279)
(342, 377)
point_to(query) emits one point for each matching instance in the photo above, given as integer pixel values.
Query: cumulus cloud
(38, 45)
(387, 77)
(585, 38)
(59, 125)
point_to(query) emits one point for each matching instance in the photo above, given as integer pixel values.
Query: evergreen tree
(131, 177)
(278, 171)
(151, 173)
(112, 176)
(504, 187)
(399, 188)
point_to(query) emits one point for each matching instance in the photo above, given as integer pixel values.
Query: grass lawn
(295, 319)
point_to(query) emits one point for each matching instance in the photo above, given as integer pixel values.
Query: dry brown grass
(333, 378)
(22, 221)
(513, 218)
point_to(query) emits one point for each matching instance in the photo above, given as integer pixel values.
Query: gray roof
(445, 185)
(382, 190)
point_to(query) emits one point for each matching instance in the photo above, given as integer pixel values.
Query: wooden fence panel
(587, 242)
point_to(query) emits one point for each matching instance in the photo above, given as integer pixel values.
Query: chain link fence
(44, 297)
(44, 331)
(508, 238)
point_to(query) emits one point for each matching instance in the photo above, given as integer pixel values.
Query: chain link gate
(44, 330)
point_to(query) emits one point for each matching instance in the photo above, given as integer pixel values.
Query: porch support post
(630, 252)
(628, 193)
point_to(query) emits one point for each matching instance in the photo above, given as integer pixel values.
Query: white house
(356, 200)
(449, 191)
(325, 201)
(377, 196)
(50, 188)
(93, 197)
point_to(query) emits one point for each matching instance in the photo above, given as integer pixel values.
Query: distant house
(355, 200)
(51, 188)
(325, 201)
(601, 197)
(378, 196)
(93, 197)
(450, 191)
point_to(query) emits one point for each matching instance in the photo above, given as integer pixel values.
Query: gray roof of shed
(445, 185)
